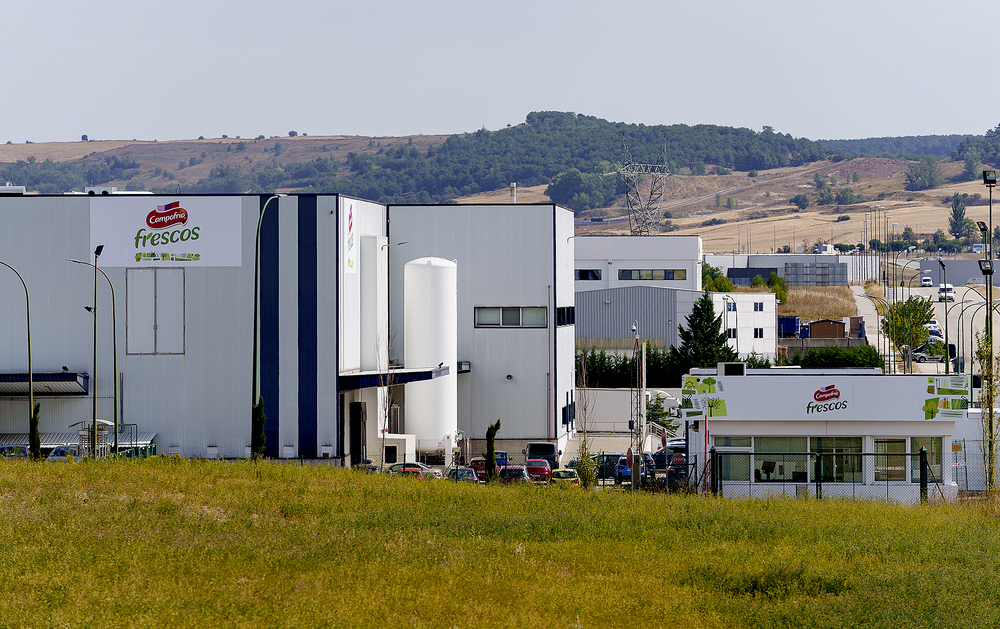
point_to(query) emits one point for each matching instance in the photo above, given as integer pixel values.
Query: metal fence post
(714, 472)
(819, 475)
(923, 474)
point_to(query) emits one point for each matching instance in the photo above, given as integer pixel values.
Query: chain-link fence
(669, 471)
(898, 477)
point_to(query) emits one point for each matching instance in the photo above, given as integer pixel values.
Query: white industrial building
(183, 272)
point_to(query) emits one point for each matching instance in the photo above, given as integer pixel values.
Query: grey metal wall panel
(288, 328)
(327, 329)
(609, 313)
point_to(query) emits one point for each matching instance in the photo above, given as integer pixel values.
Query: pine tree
(703, 343)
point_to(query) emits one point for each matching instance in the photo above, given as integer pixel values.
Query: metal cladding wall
(507, 256)
(608, 314)
(200, 394)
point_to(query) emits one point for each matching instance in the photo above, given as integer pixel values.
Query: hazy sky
(116, 69)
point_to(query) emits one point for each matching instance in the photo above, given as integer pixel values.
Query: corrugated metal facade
(609, 313)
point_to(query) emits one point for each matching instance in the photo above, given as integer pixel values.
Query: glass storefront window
(780, 459)
(933, 445)
(890, 459)
(841, 460)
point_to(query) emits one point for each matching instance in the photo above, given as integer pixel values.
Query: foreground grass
(188, 543)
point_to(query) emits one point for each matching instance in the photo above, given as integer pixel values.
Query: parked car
(514, 474)
(926, 281)
(623, 474)
(538, 470)
(565, 476)
(14, 452)
(62, 454)
(546, 450)
(462, 474)
(662, 457)
(501, 456)
(414, 469)
(922, 354)
(678, 471)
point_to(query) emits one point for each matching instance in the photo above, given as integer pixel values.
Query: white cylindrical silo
(430, 333)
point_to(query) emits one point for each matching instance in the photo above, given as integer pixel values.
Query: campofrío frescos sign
(158, 231)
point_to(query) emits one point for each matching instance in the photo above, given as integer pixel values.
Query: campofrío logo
(823, 397)
(160, 220)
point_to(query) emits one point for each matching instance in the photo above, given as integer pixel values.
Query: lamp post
(947, 348)
(256, 401)
(93, 376)
(114, 336)
(31, 377)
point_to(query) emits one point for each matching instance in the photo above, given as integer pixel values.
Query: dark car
(14, 452)
(623, 474)
(661, 458)
(462, 474)
(514, 474)
(546, 450)
(538, 470)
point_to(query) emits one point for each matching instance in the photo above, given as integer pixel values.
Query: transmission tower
(642, 212)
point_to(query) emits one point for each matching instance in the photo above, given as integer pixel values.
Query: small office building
(769, 425)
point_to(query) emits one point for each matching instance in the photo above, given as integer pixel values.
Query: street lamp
(32, 430)
(256, 402)
(947, 348)
(93, 376)
(114, 336)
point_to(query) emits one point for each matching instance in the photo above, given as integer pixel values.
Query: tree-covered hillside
(566, 149)
(903, 147)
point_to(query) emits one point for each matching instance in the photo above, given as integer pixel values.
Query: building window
(841, 460)
(731, 332)
(588, 274)
(890, 459)
(758, 333)
(511, 317)
(566, 315)
(933, 445)
(781, 459)
(651, 274)
(730, 306)
(154, 311)
(758, 306)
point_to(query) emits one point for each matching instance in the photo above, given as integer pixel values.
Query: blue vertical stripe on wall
(308, 352)
(269, 306)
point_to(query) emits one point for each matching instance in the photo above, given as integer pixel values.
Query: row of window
(634, 274)
(511, 317)
(783, 459)
(758, 333)
(758, 306)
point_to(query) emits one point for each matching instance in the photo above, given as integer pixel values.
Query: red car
(479, 464)
(538, 470)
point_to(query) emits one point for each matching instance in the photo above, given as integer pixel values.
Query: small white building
(750, 321)
(771, 426)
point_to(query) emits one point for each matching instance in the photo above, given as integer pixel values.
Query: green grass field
(209, 544)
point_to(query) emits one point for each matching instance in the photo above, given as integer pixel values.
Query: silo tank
(430, 314)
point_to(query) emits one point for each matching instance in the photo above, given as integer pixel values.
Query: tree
(956, 224)
(819, 180)
(824, 197)
(712, 280)
(777, 285)
(83, 138)
(491, 451)
(987, 402)
(856, 177)
(938, 237)
(833, 180)
(846, 196)
(587, 469)
(730, 203)
(718, 199)
(801, 201)
(757, 281)
(909, 235)
(923, 175)
(972, 164)
(904, 321)
(703, 342)
(291, 134)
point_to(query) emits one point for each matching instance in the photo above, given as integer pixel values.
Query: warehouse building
(179, 342)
